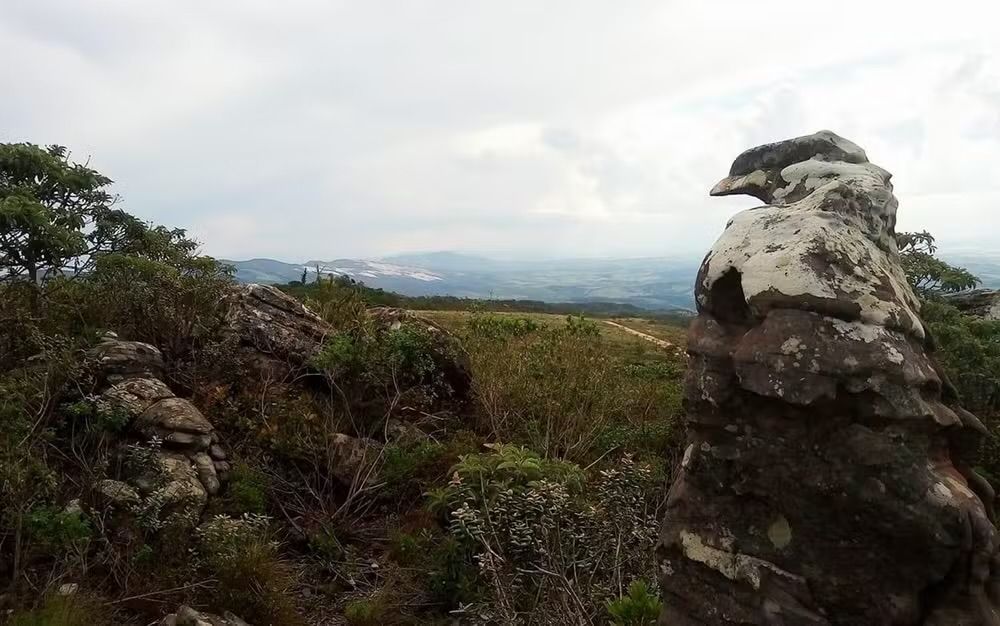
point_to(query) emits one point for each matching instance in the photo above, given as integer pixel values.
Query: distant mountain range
(655, 283)
(651, 283)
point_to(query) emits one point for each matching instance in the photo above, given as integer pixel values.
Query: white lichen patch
(733, 565)
(940, 495)
(792, 345)
(820, 246)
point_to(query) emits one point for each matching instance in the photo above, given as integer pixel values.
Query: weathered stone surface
(174, 415)
(275, 326)
(826, 476)
(175, 481)
(186, 616)
(116, 493)
(984, 303)
(205, 468)
(182, 491)
(119, 360)
(135, 395)
(353, 458)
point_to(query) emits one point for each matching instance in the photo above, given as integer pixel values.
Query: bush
(540, 532)
(253, 581)
(247, 490)
(641, 607)
(497, 326)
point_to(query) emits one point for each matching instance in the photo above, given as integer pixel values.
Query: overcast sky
(324, 129)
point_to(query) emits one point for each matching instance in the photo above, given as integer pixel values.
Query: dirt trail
(660, 342)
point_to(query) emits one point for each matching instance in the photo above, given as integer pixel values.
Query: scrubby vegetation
(531, 496)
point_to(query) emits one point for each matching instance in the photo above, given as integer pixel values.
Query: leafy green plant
(496, 326)
(247, 490)
(928, 274)
(54, 529)
(641, 607)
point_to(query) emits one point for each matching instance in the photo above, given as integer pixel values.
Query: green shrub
(641, 607)
(495, 326)
(581, 326)
(539, 530)
(247, 490)
(252, 578)
(56, 530)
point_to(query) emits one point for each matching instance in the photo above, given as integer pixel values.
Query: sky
(321, 129)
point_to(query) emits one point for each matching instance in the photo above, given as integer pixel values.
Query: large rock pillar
(826, 476)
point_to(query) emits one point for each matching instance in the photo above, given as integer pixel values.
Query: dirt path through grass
(655, 340)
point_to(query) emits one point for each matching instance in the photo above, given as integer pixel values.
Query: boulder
(826, 477)
(353, 458)
(175, 414)
(118, 360)
(278, 332)
(183, 494)
(135, 395)
(116, 493)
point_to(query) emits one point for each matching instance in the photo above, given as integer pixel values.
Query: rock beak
(753, 184)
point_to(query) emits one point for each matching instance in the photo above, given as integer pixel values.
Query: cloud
(564, 127)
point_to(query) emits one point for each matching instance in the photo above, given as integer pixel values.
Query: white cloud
(315, 129)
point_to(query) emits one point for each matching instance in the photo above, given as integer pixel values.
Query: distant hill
(658, 284)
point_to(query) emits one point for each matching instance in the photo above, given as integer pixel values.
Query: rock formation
(825, 478)
(188, 466)
(984, 303)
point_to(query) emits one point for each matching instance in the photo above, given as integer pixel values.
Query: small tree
(57, 217)
(928, 274)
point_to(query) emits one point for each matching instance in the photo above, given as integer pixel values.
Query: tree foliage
(928, 274)
(58, 217)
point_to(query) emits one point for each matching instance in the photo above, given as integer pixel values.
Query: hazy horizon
(561, 128)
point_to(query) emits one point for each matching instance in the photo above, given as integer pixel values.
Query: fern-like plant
(641, 607)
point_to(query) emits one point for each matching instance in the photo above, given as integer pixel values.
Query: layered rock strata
(826, 477)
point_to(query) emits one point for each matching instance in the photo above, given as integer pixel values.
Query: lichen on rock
(827, 474)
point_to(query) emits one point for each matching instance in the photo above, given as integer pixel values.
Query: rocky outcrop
(826, 477)
(449, 356)
(277, 333)
(184, 466)
(984, 303)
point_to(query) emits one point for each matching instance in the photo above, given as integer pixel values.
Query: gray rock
(353, 458)
(276, 329)
(186, 616)
(826, 478)
(174, 415)
(217, 453)
(205, 467)
(119, 360)
(182, 492)
(984, 303)
(116, 493)
(135, 395)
